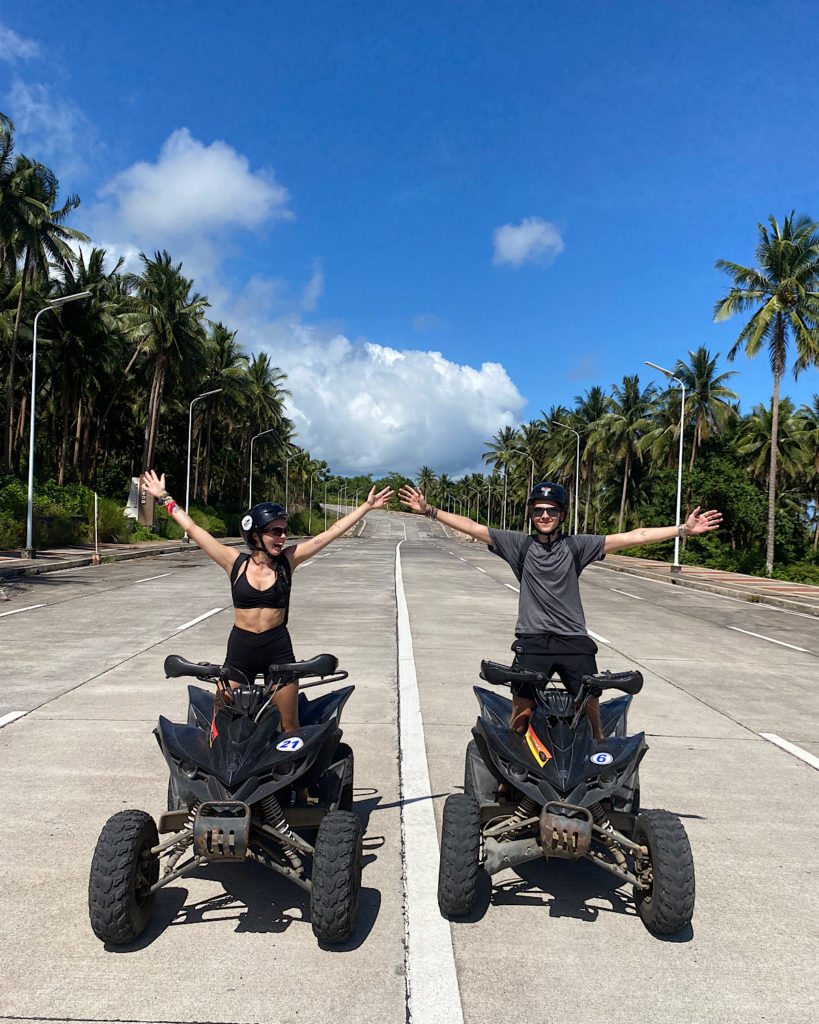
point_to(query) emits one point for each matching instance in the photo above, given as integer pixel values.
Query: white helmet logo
(247, 522)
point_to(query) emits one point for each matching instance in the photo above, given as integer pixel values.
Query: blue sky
(439, 218)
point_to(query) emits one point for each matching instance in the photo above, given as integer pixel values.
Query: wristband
(681, 530)
(431, 512)
(169, 505)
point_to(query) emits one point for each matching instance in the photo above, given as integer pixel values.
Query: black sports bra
(245, 595)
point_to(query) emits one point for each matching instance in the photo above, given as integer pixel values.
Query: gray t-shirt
(549, 587)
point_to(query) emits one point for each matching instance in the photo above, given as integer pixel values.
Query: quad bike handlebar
(504, 675)
(325, 666)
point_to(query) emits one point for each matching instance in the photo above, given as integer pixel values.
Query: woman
(260, 582)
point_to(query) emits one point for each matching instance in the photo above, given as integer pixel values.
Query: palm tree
(621, 428)
(499, 453)
(707, 398)
(783, 292)
(755, 442)
(168, 327)
(588, 410)
(39, 238)
(809, 424)
(226, 368)
(85, 358)
(265, 410)
(426, 480)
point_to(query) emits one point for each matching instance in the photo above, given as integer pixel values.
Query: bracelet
(431, 512)
(681, 530)
(164, 498)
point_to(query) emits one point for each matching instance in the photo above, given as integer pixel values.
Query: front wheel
(667, 906)
(336, 879)
(123, 870)
(460, 855)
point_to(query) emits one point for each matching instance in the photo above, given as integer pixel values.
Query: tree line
(120, 375)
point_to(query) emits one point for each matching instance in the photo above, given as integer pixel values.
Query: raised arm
(697, 523)
(220, 553)
(308, 548)
(417, 502)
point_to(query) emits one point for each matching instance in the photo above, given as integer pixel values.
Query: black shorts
(252, 653)
(571, 657)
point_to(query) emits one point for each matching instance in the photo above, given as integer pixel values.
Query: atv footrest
(221, 830)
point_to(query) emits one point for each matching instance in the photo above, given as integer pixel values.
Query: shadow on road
(563, 890)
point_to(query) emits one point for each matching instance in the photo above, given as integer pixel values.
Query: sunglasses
(275, 531)
(544, 513)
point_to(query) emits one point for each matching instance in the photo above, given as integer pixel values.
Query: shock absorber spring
(192, 815)
(527, 808)
(602, 821)
(275, 816)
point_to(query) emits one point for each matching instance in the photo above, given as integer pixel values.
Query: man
(550, 634)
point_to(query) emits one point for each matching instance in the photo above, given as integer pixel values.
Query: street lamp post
(531, 481)
(28, 551)
(190, 432)
(576, 470)
(250, 485)
(325, 504)
(676, 566)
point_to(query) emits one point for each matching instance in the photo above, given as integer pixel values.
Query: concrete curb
(33, 567)
(725, 589)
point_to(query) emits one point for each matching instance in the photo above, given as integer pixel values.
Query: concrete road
(547, 942)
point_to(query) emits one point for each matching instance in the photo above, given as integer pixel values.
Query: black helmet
(549, 492)
(256, 518)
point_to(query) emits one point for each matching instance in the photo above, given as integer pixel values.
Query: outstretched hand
(379, 500)
(153, 484)
(701, 522)
(415, 500)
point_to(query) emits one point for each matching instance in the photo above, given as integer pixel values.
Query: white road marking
(199, 618)
(625, 593)
(598, 638)
(480, 569)
(149, 578)
(791, 748)
(512, 588)
(305, 564)
(770, 639)
(12, 716)
(432, 984)
(28, 608)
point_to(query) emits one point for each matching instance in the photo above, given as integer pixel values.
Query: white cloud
(368, 408)
(362, 406)
(193, 191)
(14, 47)
(55, 131)
(532, 241)
(313, 288)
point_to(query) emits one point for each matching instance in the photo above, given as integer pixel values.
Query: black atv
(234, 775)
(567, 796)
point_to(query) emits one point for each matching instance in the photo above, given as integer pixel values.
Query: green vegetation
(117, 375)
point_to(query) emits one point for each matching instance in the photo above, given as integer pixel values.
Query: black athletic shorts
(252, 653)
(571, 657)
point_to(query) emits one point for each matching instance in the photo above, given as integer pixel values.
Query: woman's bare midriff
(259, 620)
